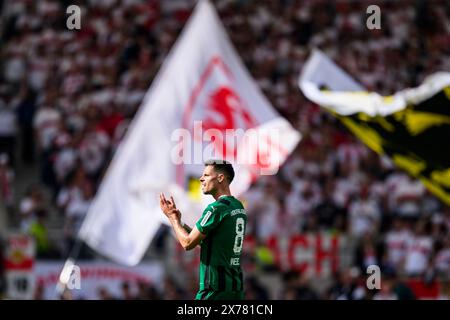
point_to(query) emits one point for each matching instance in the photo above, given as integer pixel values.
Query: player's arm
(187, 237)
(188, 240)
(186, 227)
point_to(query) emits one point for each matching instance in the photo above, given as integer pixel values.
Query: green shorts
(219, 295)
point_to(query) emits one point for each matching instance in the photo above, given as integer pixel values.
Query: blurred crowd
(67, 98)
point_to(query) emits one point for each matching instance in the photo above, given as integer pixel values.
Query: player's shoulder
(214, 207)
(227, 204)
(219, 205)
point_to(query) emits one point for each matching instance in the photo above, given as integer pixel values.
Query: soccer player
(220, 233)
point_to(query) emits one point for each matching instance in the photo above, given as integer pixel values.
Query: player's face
(209, 180)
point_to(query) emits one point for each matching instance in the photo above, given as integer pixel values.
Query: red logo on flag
(217, 105)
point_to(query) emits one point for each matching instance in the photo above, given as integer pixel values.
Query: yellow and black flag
(412, 126)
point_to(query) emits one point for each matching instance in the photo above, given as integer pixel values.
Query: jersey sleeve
(209, 220)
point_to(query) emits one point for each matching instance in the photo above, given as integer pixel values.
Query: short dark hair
(222, 166)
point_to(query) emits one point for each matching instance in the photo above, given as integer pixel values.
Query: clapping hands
(169, 207)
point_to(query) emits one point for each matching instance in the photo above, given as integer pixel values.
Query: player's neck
(222, 193)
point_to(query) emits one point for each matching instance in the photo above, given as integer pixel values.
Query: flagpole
(66, 271)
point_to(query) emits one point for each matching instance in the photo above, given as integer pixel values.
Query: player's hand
(163, 204)
(172, 203)
(174, 214)
(166, 205)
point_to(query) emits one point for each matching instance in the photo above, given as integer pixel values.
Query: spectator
(147, 291)
(26, 110)
(419, 250)
(347, 286)
(2, 270)
(396, 243)
(29, 205)
(39, 292)
(75, 213)
(364, 215)
(6, 183)
(386, 291)
(126, 291)
(367, 253)
(172, 291)
(254, 290)
(8, 124)
(328, 214)
(104, 294)
(443, 258)
(39, 232)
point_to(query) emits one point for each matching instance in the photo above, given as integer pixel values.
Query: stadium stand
(67, 98)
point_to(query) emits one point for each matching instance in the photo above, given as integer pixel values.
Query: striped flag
(412, 126)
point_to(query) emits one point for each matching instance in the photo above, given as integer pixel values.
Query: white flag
(202, 93)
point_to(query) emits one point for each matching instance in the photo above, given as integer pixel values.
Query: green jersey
(223, 222)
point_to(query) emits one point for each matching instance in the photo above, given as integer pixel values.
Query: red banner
(319, 254)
